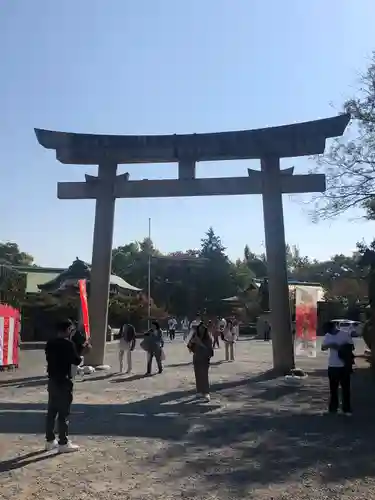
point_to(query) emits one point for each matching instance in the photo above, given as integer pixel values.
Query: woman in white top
(340, 366)
(230, 338)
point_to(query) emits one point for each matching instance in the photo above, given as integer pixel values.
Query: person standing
(200, 345)
(126, 346)
(172, 324)
(61, 354)
(185, 328)
(153, 344)
(216, 334)
(340, 345)
(267, 331)
(229, 340)
(222, 326)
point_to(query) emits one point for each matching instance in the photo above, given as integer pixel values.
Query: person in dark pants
(172, 325)
(61, 354)
(201, 346)
(155, 344)
(340, 366)
(267, 331)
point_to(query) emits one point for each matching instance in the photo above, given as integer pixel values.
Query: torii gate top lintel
(287, 141)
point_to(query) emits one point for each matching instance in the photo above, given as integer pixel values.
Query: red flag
(84, 307)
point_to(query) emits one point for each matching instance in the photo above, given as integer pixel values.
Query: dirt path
(145, 438)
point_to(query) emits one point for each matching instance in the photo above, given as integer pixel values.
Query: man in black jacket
(61, 354)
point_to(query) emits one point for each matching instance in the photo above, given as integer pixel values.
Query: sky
(164, 67)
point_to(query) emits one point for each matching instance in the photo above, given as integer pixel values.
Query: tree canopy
(195, 280)
(349, 164)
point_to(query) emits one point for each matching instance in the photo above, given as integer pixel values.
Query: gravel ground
(145, 438)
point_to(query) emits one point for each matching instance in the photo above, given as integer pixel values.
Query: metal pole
(149, 277)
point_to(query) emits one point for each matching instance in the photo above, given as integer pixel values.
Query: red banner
(10, 324)
(306, 321)
(84, 306)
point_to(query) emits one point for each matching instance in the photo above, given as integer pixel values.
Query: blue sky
(168, 66)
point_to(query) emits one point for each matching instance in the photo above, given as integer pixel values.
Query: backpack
(346, 354)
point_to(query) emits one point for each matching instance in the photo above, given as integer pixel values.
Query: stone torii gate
(268, 145)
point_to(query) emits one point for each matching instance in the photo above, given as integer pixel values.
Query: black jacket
(346, 355)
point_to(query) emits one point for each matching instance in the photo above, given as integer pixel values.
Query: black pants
(172, 334)
(267, 335)
(150, 357)
(201, 377)
(216, 342)
(60, 397)
(339, 377)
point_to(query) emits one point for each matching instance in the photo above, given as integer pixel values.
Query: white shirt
(230, 334)
(193, 326)
(172, 323)
(194, 323)
(185, 324)
(222, 324)
(342, 337)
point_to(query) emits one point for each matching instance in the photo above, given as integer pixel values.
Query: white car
(353, 327)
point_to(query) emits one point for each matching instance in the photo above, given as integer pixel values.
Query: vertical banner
(9, 335)
(306, 321)
(84, 307)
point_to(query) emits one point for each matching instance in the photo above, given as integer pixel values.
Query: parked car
(354, 327)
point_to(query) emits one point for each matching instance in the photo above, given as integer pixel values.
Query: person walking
(61, 355)
(126, 346)
(153, 344)
(200, 345)
(340, 345)
(229, 340)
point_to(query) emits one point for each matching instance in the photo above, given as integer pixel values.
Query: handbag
(162, 356)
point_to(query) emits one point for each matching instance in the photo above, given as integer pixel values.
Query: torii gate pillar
(273, 214)
(101, 261)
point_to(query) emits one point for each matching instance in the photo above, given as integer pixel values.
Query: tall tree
(216, 280)
(350, 163)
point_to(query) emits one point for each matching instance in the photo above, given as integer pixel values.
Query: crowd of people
(153, 341)
(65, 352)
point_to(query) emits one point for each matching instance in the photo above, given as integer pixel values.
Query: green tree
(12, 283)
(349, 164)
(256, 263)
(10, 253)
(216, 280)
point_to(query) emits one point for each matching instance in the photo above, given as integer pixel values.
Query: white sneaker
(69, 447)
(207, 398)
(51, 445)
(347, 413)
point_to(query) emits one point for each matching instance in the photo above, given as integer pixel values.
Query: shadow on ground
(280, 431)
(255, 431)
(24, 382)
